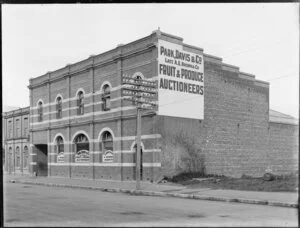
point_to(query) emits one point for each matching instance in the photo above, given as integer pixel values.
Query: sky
(260, 38)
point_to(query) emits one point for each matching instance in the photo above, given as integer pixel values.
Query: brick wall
(233, 139)
(283, 148)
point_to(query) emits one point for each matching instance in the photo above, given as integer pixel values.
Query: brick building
(82, 128)
(16, 140)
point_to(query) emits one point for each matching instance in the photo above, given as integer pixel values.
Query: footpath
(281, 199)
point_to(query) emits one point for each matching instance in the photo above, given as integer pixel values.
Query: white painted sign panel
(180, 82)
(82, 156)
(108, 156)
(60, 157)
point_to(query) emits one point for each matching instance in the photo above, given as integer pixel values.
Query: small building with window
(16, 141)
(81, 127)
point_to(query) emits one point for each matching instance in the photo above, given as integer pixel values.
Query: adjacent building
(16, 141)
(81, 127)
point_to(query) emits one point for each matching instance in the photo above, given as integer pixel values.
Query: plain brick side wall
(283, 148)
(234, 134)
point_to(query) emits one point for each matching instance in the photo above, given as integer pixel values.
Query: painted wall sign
(82, 156)
(61, 157)
(108, 156)
(180, 82)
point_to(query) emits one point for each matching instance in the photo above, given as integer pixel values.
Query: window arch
(18, 156)
(25, 157)
(82, 147)
(59, 149)
(40, 111)
(106, 146)
(80, 103)
(58, 107)
(106, 97)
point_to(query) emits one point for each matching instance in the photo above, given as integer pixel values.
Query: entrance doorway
(141, 163)
(42, 159)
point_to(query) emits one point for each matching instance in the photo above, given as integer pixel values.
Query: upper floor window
(40, 111)
(58, 108)
(18, 128)
(10, 130)
(25, 126)
(80, 103)
(106, 98)
(138, 78)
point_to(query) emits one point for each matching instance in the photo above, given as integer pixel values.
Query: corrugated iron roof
(279, 117)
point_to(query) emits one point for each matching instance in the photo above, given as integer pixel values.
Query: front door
(42, 160)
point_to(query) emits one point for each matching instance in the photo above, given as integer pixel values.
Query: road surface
(33, 205)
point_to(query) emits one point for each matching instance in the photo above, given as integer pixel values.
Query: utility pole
(142, 93)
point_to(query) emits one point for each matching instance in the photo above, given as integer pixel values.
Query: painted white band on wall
(125, 138)
(115, 152)
(75, 107)
(105, 164)
(99, 113)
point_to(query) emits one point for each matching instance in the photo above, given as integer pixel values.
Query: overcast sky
(259, 38)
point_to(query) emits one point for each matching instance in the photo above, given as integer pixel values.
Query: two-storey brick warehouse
(15, 132)
(82, 128)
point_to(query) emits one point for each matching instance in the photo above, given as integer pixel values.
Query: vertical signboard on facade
(180, 82)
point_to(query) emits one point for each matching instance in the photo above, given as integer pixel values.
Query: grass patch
(284, 183)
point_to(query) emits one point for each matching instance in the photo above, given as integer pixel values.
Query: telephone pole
(142, 93)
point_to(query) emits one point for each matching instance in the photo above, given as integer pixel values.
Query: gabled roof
(279, 117)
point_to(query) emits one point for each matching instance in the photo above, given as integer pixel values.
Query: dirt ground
(278, 184)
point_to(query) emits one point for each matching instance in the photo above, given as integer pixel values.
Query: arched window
(58, 108)
(80, 103)
(59, 149)
(107, 146)
(107, 141)
(25, 157)
(82, 146)
(40, 111)
(17, 156)
(106, 98)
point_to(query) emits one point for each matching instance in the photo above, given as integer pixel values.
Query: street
(33, 205)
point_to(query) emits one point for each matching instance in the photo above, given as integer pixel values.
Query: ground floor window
(60, 149)
(18, 157)
(25, 157)
(82, 146)
(107, 147)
